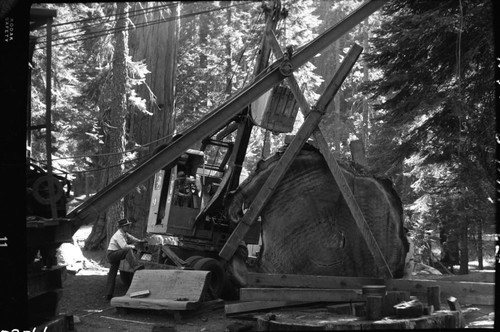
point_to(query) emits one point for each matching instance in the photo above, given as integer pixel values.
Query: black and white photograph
(253, 165)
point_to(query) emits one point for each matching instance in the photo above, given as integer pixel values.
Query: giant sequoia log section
(307, 227)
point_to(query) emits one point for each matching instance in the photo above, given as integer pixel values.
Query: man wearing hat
(120, 247)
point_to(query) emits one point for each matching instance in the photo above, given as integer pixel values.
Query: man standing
(120, 247)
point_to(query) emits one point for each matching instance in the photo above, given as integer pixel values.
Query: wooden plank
(176, 259)
(243, 307)
(478, 293)
(308, 281)
(301, 294)
(310, 124)
(140, 293)
(169, 290)
(345, 190)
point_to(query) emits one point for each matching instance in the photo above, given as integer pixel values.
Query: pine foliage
(435, 105)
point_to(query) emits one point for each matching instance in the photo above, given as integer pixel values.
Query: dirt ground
(83, 297)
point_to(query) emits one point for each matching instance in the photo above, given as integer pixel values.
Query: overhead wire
(131, 13)
(172, 4)
(99, 34)
(105, 32)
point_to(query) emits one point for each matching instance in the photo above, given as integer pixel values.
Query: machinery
(187, 222)
(179, 239)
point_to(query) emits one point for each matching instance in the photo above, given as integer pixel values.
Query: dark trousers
(114, 258)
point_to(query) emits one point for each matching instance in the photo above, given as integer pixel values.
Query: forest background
(421, 99)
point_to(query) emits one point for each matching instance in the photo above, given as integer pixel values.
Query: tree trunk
(114, 129)
(229, 84)
(479, 244)
(203, 34)
(464, 248)
(156, 44)
(364, 130)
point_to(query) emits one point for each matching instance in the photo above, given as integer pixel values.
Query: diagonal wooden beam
(336, 171)
(310, 124)
(214, 121)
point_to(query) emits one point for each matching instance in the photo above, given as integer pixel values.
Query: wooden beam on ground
(477, 293)
(243, 307)
(345, 190)
(301, 294)
(310, 124)
(308, 281)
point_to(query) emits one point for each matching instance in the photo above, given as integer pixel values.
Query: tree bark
(229, 84)
(156, 44)
(114, 132)
(364, 130)
(203, 34)
(464, 247)
(479, 244)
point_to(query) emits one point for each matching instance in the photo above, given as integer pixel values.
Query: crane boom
(217, 119)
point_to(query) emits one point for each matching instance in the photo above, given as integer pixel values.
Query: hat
(123, 222)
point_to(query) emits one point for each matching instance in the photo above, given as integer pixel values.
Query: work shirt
(120, 240)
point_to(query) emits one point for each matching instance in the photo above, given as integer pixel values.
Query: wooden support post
(310, 124)
(347, 194)
(455, 306)
(374, 307)
(433, 297)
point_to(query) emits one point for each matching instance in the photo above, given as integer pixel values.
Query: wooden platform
(164, 290)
